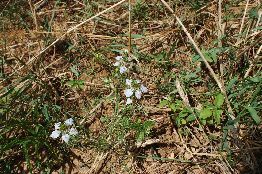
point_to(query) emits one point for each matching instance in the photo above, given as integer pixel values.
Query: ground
(36, 39)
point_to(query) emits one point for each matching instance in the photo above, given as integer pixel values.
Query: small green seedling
(211, 113)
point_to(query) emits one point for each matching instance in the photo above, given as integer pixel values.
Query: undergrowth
(120, 83)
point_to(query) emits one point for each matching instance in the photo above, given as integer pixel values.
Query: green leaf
(213, 54)
(76, 84)
(191, 117)
(182, 114)
(217, 115)
(205, 113)
(207, 56)
(136, 36)
(45, 112)
(204, 122)
(163, 103)
(231, 83)
(256, 79)
(183, 121)
(253, 13)
(210, 122)
(173, 107)
(253, 114)
(195, 58)
(141, 136)
(219, 100)
(74, 70)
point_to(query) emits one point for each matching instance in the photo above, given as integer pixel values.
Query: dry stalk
(182, 93)
(220, 31)
(129, 28)
(253, 62)
(259, 18)
(243, 18)
(147, 143)
(32, 8)
(213, 74)
(98, 163)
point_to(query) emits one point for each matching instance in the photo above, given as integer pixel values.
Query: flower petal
(128, 82)
(57, 125)
(73, 131)
(66, 138)
(138, 94)
(55, 134)
(143, 89)
(116, 64)
(69, 122)
(128, 92)
(128, 101)
(118, 58)
(123, 69)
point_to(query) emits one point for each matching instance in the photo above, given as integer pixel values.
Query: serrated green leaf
(205, 113)
(254, 114)
(219, 100)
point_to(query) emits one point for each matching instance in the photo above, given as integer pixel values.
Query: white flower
(138, 94)
(69, 122)
(128, 101)
(128, 92)
(128, 82)
(118, 58)
(73, 131)
(143, 89)
(65, 138)
(55, 134)
(57, 125)
(138, 81)
(116, 63)
(123, 69)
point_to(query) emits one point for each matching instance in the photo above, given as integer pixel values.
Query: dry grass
(56, 36)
